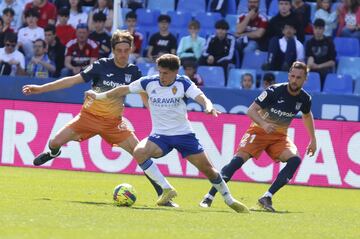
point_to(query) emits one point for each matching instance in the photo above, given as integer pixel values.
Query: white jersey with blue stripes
(167, 103)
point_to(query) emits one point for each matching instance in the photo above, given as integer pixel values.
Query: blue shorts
(186, 144)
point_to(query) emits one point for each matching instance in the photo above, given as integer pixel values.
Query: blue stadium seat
(338, 84)
(347, 46)
(254, 60)
(144, 67)
(213, 76)
(243, 7)
(273, 8)
(123, 13)
(163, 5)
(231, 8)
(147, 17)
(280, 76)
(191, 6)
(207, 19)
(357, 88)
(313, 83)
(179, 19)
(232, 20)
(349, 66)
(235, 74)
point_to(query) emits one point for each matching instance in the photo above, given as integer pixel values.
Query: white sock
(224, 191)
(268, 194)
(154, 173)
(211, 197)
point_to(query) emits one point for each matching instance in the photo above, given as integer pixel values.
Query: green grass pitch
(41, 203)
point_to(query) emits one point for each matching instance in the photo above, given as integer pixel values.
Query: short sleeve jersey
(279, 107)
(105, 75)
(167, 103)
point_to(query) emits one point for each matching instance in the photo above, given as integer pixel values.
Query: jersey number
(247, 138)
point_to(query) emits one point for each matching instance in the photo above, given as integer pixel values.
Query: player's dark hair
(121, 36)
(169, 61)
(299, 65)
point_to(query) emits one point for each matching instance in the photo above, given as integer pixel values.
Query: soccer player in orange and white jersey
(271, 113)
(103, 118)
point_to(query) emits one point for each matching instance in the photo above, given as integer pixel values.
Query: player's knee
(140, 154)
(295, 161)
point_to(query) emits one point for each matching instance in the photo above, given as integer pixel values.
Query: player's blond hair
(170, 61)
(299, 65)
(121, 36)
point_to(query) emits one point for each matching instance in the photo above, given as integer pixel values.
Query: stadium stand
(254, 60)
(163, 5)
(213, 76)
(347, 46)
(235, 75)
(338, 84)
(191, 6)
(350, 66)
(313, 83)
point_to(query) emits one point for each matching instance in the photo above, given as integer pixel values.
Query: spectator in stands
(268, 80)
(77, 16)
(285, 50)
(105, 7)
(61, 4)
(80, 52)
(320, 51)
(27, 35)
(64, 31)
(47, 12)
(190, 70)
(55, 49)
(17, 6)
(324, 12)
(131, 22)
(302, 11)
(219, 49)
(162, 41)
(247, 81)
(40, 65)
(100, 35)
(8, 16)
(251, 28)
(219, 6)
(191, 46)
(285, 14)
(9, 56)
(133, 4)
(2, 33)
(349, 19)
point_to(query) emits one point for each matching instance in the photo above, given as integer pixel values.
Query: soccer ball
(124, 195)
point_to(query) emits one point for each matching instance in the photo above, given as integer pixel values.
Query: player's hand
(90, 94)
(31, 89)
(311, 148)
(212, 111)
(268, 127)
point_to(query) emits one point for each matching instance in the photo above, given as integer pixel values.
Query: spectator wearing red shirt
(251, 27)
(64, 31)
(80, 52)
(47, 12)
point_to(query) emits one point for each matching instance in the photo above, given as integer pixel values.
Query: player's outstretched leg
(283, 178)
(159, 192)
(47, 156)
(226, 172)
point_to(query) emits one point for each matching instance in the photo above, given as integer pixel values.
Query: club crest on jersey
(298, 105)
(174, 90)
(128, 78)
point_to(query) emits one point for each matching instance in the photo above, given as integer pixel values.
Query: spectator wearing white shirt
(27, 35)
(10, 57)
(77, 16)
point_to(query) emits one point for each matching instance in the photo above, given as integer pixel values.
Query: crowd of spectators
(43, 38)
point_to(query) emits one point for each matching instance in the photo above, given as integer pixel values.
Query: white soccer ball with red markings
(124, 195)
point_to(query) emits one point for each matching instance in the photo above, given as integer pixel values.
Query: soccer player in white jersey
(170, 125)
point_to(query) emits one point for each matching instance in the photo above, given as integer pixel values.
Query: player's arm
(309, 125)
(145, 98)
(207, 104)
(253, 113)
(111, 94)
(62, 83)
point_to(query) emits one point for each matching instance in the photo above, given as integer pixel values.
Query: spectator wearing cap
(320, 51)
(27, 35)
(40, 65)
(283, 51)
(131, 22)
(80, 52)
(17, 6)
(105, 7)
(162, 41)
(77, 15)
(11, 60)
(7, 17)
(64, 31)
(100, 35)
(47, 12)
(285, 14)
(55, 49)
(219, 48)
(268, 80)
